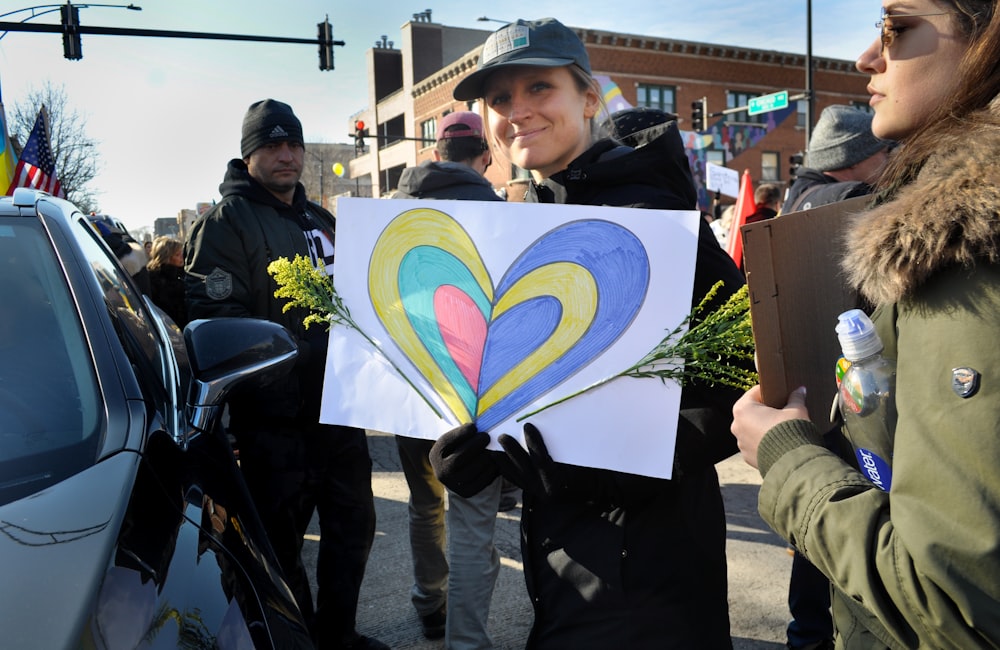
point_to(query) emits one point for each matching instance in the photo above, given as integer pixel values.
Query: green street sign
(766, 103)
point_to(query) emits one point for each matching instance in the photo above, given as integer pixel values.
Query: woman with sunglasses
(917, 565)
(610, 559)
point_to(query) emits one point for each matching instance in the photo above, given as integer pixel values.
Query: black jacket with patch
(226, 258)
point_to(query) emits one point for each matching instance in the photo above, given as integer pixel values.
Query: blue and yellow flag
(8, 161)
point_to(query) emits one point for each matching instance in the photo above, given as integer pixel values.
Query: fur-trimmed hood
(949, 216)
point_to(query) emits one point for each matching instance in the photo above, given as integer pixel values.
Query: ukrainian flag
(8, 160)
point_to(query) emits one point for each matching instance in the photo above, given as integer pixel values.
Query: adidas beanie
(268, 121)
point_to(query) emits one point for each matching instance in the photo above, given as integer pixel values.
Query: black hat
(545, 43)
(268, 121)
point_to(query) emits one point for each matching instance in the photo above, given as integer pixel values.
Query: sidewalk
(758, 566)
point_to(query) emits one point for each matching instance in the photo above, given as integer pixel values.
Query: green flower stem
(725, 333)
(309, 288)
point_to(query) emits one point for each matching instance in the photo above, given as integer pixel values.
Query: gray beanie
(268, 121)
(842, 138)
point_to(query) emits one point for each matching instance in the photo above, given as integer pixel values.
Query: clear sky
(166, 113)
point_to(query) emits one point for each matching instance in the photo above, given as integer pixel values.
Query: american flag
(36, 167)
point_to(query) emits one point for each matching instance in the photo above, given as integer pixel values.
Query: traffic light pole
(158, 33)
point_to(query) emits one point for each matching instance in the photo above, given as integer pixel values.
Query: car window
(134, 324)
(50, 405)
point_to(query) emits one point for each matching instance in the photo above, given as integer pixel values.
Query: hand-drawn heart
(488, 353)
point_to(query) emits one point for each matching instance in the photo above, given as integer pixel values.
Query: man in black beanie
(293, 465)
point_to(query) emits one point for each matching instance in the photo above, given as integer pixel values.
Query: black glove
(533, 470)
(462, 462)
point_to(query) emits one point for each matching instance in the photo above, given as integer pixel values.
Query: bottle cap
(858, 338)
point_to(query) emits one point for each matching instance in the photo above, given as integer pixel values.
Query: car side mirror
(226, 352)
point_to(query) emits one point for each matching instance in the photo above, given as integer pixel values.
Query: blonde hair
(163, 249)
(584, 81)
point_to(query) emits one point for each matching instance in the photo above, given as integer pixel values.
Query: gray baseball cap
(545, 42)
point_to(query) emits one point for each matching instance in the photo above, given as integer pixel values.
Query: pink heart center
(463, 329)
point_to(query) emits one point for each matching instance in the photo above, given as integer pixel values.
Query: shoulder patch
(219, 284)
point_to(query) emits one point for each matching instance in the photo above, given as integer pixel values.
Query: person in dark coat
(166, 278)
(294, 466)
(461, 157)
(455, 572)
(767, 202)
(843, 158)
(610, 559)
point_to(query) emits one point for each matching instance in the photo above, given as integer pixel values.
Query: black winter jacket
(629, 561)
(812, 188)
(166, 288)
(226, 258)
(444, 180)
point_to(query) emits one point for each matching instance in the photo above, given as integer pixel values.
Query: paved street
(758, 566)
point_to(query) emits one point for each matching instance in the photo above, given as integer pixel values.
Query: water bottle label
(852, 394)
(874, 467)
(841, 369)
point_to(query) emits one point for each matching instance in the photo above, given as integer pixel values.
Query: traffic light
(699, 112)
(360, 133)
(325, 44)
(72, 45)
(796, 160)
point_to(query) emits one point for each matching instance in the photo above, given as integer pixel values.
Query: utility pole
(810, 95)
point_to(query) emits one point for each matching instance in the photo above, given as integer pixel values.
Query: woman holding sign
(610, 559)
(915, 563)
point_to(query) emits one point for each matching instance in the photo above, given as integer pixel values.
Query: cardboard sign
(797, 290)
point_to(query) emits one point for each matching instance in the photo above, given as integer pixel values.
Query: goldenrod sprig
(701, 350)
(306, 286)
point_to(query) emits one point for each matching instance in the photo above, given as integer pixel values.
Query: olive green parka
(917, 566)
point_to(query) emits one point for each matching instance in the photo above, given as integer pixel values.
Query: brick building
(411, 88)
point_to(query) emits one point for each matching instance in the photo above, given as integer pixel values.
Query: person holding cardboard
(610, 559)
(916, 565)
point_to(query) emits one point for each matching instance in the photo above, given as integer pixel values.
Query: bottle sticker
(852, 394)
(842, 366)
(874, 468)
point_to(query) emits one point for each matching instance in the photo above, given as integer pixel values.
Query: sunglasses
(889, 33)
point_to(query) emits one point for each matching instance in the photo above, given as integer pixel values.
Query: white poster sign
(486, 311)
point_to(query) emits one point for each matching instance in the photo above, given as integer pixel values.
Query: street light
(53, 8)
(484, 19)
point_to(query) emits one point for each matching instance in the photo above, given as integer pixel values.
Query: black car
(125, 521)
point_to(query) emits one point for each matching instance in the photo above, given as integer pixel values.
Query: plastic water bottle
(867, 396)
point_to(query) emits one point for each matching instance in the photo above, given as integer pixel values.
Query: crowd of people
(615, 559)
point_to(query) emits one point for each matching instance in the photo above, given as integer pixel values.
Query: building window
(801, 107)
(716, 157)
(428, 131)
(769, 166)
(661, 97)
(735, 99)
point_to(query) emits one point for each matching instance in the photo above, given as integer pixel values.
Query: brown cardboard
(796, 293)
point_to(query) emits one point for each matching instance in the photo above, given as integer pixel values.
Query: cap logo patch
(277, 132)
(513, 37)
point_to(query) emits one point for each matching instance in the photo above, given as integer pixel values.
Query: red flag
(36, 167)
(745, 206)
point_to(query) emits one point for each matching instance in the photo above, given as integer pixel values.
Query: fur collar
(949, 216)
